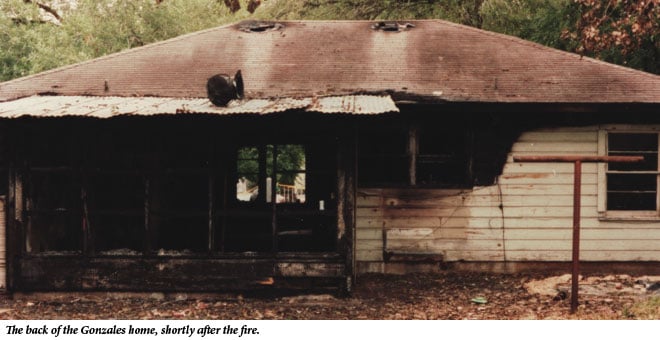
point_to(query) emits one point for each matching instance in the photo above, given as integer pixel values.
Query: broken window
(179, 212)
(415, 154)
(114, 203)
(633, 186)
(156, 195)
(274, 209)
(50, 191)
(257, 166)
(443, 157)
(53, 212)
(382, 156)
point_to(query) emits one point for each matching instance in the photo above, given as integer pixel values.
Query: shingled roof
(430, 60)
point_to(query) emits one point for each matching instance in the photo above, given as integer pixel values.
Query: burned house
(355, 147)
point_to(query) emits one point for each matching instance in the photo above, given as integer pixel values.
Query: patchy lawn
(446, 295)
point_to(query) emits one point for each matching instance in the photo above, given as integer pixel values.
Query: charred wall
(132, 189)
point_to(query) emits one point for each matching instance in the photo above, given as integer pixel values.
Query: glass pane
(631, 182)
(634, 144)
(630, 201)
(631, 192)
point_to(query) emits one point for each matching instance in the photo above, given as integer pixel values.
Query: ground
(445, 295)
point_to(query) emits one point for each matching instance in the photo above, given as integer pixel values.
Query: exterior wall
(525, 216)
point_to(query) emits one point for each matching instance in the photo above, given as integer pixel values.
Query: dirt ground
(446, 295)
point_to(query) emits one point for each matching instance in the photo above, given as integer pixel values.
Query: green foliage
(19, 31)
(96, 28)
(290, 159)
(648, 309)
(461, 11)
(625, 32)
(540, 21)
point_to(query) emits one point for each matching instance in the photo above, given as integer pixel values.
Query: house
(395, 141)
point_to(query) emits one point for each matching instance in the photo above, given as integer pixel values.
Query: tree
(620, 31)
(541, 21)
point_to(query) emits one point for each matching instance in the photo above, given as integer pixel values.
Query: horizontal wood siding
(526, 216)
(426, 221)
(544, 231)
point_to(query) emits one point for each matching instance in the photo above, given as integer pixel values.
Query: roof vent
(391, 26)
(260, 26)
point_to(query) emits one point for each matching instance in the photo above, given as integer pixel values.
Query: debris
(653, 286)
(439, 296)
(561, 295)
(479, 300)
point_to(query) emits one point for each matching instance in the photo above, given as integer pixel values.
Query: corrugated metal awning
(106, 107)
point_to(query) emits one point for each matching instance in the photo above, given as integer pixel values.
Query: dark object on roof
(436, 61)
(391, 26)
(222, 88)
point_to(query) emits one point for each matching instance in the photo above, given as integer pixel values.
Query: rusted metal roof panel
(106, 107)
(433, 60)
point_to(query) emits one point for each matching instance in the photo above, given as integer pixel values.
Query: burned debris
(222, 88)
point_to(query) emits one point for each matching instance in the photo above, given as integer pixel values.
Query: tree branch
(45, 8)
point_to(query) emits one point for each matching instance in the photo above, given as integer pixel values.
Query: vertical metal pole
(577, 184)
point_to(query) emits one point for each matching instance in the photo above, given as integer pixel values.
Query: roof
(431, 60)
(104, 107)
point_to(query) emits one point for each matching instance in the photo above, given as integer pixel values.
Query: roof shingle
(434, 60)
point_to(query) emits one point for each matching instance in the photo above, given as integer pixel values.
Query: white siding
(526, 216)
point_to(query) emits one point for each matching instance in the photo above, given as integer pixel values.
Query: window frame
(413, 159)
(617, 215)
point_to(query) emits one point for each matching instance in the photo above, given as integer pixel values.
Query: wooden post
(577, 183)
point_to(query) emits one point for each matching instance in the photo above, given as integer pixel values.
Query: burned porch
(179, 202)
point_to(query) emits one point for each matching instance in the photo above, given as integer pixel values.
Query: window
(53, 212)
(629, 190)
(153, 195)
(383, 157)
(255, 171)
(442, 157)
(417, 154)
(274, 209)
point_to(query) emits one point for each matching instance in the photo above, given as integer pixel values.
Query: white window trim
(620, 215)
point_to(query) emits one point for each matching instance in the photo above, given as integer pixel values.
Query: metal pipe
(577, 183)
